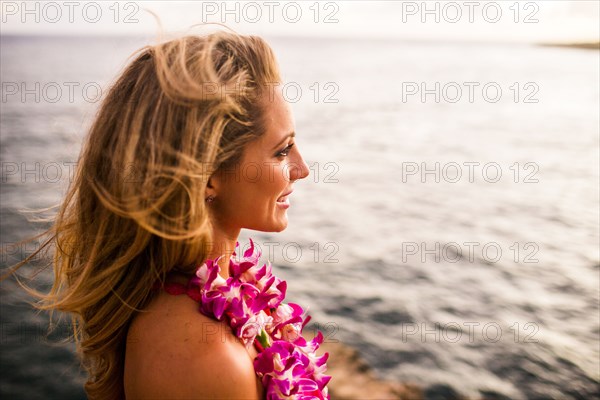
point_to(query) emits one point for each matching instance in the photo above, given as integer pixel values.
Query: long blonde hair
(135, 210)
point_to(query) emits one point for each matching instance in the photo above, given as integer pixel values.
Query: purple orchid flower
(251, 300)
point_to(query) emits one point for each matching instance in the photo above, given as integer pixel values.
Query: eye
(286, 151)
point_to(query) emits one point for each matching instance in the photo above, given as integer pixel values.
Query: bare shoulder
(173, 351)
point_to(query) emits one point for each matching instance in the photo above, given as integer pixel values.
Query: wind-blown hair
(134, 211)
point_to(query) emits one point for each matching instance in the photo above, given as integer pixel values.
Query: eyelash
(286, 151)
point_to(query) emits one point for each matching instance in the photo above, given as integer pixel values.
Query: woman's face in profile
(254, 195)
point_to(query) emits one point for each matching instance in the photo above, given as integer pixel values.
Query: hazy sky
(503, 20)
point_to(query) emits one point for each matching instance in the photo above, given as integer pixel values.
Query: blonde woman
(193, 142)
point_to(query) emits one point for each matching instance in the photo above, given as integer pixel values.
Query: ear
(213, 185)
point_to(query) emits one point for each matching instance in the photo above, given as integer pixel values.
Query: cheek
(258, 189)
(280, 180)
(272, 184)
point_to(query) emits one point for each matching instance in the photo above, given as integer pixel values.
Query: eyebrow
(292, 134)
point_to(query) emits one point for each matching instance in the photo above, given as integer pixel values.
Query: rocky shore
(580, 45)
(354, 379)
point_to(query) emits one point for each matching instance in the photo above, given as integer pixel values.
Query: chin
(275, 226)
(281, 228)
(271, 226)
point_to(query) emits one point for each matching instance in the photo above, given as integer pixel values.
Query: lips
(284, 197)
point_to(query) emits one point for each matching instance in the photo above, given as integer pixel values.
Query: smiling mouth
(284, 199)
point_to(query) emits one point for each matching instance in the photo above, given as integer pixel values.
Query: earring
(210, 198)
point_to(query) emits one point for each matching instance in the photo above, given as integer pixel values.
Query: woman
(193, 143)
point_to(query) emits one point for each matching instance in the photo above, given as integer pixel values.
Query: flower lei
(251, 300)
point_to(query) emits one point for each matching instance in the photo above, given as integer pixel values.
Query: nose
(298, 169)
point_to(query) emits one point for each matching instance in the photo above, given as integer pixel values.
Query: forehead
(278, 122)
(278, 118)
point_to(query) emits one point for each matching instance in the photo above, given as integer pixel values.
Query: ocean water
(454, 241)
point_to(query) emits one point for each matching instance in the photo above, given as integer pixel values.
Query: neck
(223, 244)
